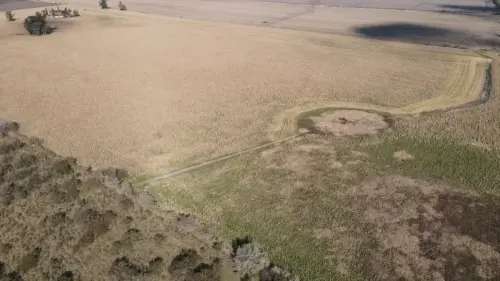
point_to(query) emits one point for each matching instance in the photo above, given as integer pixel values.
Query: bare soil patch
(402, 155)
(349, 123)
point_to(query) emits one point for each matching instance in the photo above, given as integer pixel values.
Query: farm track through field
(462, 94)
(471, 86)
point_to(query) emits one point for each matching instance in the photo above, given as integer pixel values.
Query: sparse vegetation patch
(10, 16)
(122, 6)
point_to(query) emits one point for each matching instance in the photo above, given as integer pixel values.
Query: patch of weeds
(363, 256)
(284, 244)
(476, 217)
(442, 159)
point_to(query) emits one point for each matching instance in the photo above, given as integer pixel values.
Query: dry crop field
(150, 93)
(415, 199)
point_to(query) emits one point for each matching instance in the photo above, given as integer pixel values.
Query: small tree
(36, 25)
(122, 6)
(103, 4)
(10, 16)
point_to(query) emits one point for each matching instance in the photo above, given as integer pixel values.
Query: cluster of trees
(104, 5)
(66, 13)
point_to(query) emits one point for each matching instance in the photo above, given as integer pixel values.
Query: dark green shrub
(36, 25)
(103, 4)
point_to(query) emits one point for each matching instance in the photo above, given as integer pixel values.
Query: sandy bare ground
(109, 90)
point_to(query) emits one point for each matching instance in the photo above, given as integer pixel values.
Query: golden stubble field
(151, 93)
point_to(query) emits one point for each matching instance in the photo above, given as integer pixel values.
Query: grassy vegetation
(238, 206)
(442, 159)
(283, 210)
(475, 124)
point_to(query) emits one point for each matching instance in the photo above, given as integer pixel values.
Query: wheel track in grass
(471, 87)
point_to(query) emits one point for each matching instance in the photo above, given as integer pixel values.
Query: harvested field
(138, 100)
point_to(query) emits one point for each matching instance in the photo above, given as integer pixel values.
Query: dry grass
(330, 208)
(149, 102)
(466, 87)
(479, 125)
(61, 221)
(146, 101)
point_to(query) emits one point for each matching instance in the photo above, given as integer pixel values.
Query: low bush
(9, 15)
(103, 4)
(122, 6)
(37, 25)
